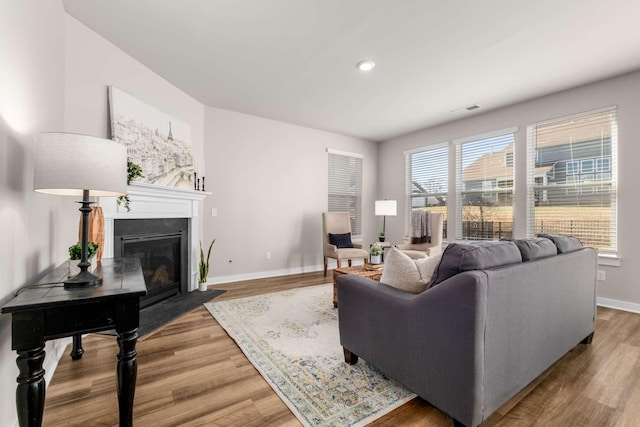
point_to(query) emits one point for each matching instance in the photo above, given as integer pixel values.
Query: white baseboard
(53, 356)
(273, 273)
(264, 274)
(618, 305)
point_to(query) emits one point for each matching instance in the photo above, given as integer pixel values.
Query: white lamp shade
(386, 208)
(67, 163)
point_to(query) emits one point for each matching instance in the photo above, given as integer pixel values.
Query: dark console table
(43, 313)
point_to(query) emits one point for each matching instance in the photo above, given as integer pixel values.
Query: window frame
(588, 181)
(497, 190)
(409, 195)
(355, 208)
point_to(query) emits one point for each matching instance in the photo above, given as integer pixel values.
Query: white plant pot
(375, 259)
(202, 287)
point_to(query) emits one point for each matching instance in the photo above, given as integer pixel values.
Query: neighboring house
(562, 168)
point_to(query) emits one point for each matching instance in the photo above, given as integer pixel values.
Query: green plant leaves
(203, 267)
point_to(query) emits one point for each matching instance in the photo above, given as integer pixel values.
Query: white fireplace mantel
(153, 201)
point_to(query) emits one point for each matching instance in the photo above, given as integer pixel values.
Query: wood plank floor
(190, 373)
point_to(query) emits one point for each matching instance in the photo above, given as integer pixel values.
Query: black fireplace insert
(161, 246)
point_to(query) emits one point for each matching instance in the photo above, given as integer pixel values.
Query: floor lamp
(68, 164)
(385, 208)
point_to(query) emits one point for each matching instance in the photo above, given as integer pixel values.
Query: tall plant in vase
(203, 267)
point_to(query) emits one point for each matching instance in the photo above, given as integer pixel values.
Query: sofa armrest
(431, 342)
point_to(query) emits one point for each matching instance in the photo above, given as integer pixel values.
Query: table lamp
(385, 208)
(69, 164)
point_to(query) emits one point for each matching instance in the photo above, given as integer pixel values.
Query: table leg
(31, 387)
(77, 351)
(126, 374)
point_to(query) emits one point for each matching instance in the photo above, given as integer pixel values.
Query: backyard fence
(592, 233)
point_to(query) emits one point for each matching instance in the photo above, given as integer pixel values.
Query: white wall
(620, 288)
(269, 182)
(34, 227)
(93, 64)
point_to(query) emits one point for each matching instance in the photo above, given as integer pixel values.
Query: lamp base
(82, 280)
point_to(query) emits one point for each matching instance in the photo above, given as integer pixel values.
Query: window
(572, 168)
(579, 201)
(508, 156)
(586, 166)
(603, 164)
(484, 183)
(345, 186)
(427, 182)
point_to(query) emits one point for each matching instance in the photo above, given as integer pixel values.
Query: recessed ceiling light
(365, 65)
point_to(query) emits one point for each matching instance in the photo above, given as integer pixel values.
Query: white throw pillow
(426, 267)
(401, 272)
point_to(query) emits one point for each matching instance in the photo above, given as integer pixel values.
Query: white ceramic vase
(375, 259)
(202, 287)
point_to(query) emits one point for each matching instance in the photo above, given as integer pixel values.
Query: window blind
(427, 182)
(345, 187)
(484, 186)
(572, 178)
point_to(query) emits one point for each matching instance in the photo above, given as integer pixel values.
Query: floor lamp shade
(386, 208)
(68, 164)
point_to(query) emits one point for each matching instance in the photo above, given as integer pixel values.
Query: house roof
(493, 166)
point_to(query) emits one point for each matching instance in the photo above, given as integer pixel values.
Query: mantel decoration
(203, 268)
(134, 172)
(69, 164)
(158, 143)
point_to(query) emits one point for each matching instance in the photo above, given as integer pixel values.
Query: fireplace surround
(159, 203)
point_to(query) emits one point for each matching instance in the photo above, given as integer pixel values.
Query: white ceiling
(294, 60)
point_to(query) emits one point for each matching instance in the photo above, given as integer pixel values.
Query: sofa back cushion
(564, 244)
(535, 248)
(459, 257)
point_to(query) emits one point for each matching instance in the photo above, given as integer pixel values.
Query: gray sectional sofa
(483, 330)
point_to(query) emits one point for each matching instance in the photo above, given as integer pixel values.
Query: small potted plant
(375, 253)
(381, 238)
(203, 267)
(75, 254)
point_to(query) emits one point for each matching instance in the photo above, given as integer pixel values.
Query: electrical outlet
(268, 255)
(602, 275)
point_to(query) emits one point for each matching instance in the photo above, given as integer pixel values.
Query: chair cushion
(401, 272)
(459, 257)
(341, 241)
(564, 244)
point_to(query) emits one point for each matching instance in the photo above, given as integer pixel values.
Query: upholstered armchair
(338, 224)
(423, 250)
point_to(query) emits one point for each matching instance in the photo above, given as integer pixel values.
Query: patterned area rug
(292, 339)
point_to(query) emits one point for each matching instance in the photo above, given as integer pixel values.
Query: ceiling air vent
(472, 107)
